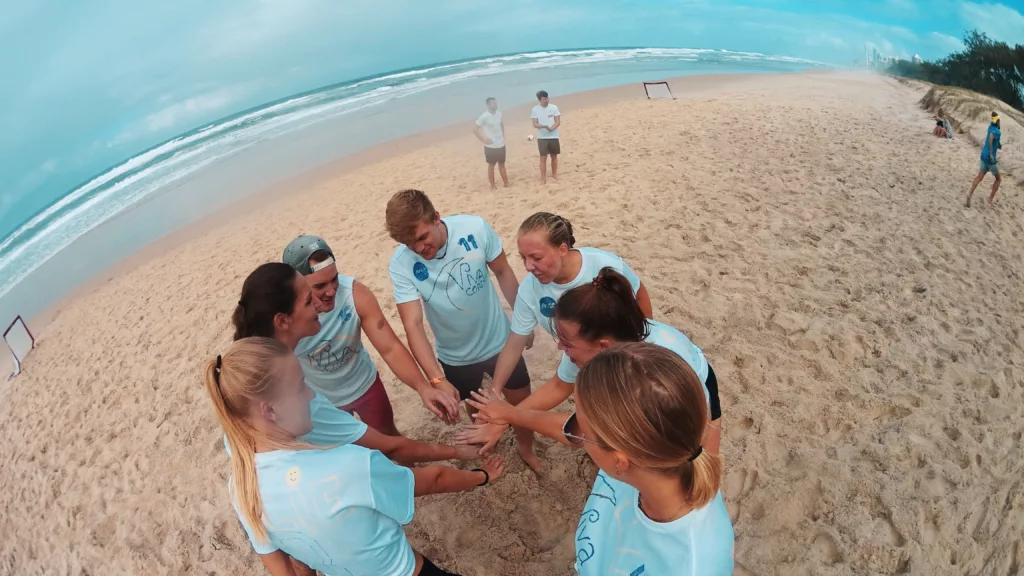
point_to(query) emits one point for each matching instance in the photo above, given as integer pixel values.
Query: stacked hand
(494, 466)
(485, 436)
(443, 400)
(491, 408)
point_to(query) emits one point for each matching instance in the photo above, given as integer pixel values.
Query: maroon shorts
(374, 408)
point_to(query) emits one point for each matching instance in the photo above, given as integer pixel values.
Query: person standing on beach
(546, 119)
(441, 264)
(989, 161)
(338, 510)
(490, 129)
(335, 361)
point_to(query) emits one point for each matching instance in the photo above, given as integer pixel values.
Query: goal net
(20, 341)
(658, 91)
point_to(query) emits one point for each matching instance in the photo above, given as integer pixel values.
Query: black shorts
(712, 385)
(431, 569)
(494, 155)
(549, 146)
(468, 378)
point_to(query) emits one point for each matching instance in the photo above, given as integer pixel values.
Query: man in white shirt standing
(547, 119)
(490, 129)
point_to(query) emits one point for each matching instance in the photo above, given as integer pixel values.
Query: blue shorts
(986, 167)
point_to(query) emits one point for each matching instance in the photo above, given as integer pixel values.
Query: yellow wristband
(436, 381)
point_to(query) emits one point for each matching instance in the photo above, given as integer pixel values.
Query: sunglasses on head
(571, 431)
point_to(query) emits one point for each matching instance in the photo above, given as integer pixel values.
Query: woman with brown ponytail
(337, 510)
(554, 265)
(655, 507)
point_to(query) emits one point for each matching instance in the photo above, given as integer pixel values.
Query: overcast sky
(92, 83)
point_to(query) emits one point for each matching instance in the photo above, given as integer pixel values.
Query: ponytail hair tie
(597, 280)
(220, 362)
(242, 304)
(696, 454)
(216, 370)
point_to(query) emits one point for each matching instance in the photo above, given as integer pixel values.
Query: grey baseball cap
(298, 251)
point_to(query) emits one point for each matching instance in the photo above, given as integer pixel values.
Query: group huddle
(318, 489)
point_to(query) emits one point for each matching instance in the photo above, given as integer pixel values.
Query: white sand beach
(806, 230)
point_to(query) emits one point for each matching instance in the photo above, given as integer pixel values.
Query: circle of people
(316, 488)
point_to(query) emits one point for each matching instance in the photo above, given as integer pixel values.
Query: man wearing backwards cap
(335, 362)
(989, 161)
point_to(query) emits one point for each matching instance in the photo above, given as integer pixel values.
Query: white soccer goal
(20, 341)
(658, 91)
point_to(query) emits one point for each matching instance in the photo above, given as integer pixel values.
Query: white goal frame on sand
(658, 91)
(20, 341)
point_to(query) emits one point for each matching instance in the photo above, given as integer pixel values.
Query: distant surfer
(490, 129)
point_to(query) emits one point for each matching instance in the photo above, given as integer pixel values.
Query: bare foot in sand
(531, 459)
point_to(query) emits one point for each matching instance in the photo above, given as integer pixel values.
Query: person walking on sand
(490, 129)
(588, 319)
(441, 265)
(334, 359)
(546, 119)
(337, 510)
(989, 161)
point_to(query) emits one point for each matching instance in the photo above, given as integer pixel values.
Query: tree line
(984, 65)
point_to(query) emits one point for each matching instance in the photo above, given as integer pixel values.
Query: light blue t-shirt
(986, 149)
(535, 302)
(461, 303)
(339, 511)
(331, 426)
(334, 361)
(663, 335)
(615, 537)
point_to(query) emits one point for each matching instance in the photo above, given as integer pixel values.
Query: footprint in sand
(825, 549)
(739, 483)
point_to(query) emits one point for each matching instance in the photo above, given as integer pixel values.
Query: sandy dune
(806, 230)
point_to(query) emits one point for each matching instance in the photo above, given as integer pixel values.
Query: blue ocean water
(296, 130)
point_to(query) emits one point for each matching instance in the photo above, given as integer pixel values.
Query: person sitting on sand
(277, 302)
(989, 161)
(547, 246)
(338, 510)
(334, 359)
(940, 129)
(588, 319)
(656, 505)
(441, 264)
(490, 129)
(546, 119)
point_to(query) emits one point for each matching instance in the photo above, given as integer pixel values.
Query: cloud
(997, 20)
(946, 42)
(189, 109)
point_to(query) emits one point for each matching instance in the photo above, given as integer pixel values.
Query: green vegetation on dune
(984, 65)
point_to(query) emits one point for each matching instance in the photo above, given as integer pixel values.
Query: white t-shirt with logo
(491, 124)
(535, 302)
(461, 303)
(334, 361)
(615, 537)
(545, 116)
(339, 511)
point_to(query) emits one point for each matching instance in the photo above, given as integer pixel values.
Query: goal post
(658, 91)
(20, 342)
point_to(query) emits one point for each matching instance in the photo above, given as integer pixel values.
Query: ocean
(187, 177)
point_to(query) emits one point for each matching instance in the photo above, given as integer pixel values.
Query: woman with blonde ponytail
(655, 507)
(337, 510)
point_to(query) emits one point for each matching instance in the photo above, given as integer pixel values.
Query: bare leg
(504, 175)
(524, 437)
(977, 180)
(554, 166)
(544, 169)
(490, 175)
(995, 188)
